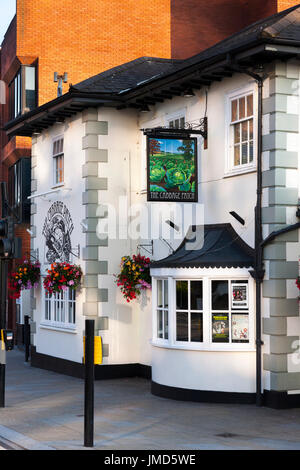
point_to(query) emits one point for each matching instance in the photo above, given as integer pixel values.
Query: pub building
(217, 132)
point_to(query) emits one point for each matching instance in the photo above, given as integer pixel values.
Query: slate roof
(129, 75)
(217, 246)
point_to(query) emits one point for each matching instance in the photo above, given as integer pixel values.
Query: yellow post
(97, 350)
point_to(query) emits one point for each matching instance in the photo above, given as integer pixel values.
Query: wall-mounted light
(237, 217)
(188, 93)
(145, 109)
(172, 225)
(83, 225)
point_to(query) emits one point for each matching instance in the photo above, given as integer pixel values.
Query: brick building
(84, 39)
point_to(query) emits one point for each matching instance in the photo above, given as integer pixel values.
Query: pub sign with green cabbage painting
(172, 169)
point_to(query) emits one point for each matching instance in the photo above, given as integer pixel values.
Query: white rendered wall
(56, 342)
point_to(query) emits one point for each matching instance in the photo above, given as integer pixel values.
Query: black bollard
(26, 337)
(89, 384)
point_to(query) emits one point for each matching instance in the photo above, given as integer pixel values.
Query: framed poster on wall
(239, 295)
(220, 328)
(240, 328)
(172, 169)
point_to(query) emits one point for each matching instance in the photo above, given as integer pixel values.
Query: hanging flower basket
(298, 284)
(26, 276)
(134, 276)
(62, 276)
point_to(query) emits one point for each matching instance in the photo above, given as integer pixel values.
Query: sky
(7, 12)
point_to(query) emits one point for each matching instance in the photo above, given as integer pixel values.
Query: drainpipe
(258, 272)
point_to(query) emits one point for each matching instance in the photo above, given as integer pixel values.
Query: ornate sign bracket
(198, 127)
(146, 247)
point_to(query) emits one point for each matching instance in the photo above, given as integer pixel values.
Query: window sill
(62, 329)
(206, 348)
(58, 185)
(240, 171)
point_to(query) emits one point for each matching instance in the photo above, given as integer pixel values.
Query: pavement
(44, 411)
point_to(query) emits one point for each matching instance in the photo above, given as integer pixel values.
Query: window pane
(196, 327)
(242, 105)
(182, 295)
(244, 154)
(196, 295)
(159, 293)
(251, 129)
(250, 105)
(251, 151)
(219, 295)
(234, 115)
(160, 332)
(236, 155)
(182, 326)
(237, 133)
(244, 131)
(182, 122)
(166, 324)
(30, 88)
(166, 303)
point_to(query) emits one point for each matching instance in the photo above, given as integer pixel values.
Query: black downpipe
(258, 268)
(258, 272)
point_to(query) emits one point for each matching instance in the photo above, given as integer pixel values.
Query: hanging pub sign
(172, 169)
(220, 328)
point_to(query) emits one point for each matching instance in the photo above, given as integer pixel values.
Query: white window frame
(206, 275)
(230, 168)
(54, 161)
(164, 309)
(179, 114)
(189, 312)
(53, 302)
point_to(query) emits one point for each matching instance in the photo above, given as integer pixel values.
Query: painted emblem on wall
(57, 230)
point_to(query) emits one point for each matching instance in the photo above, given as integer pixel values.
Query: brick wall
(198, 24)
(85, 38)
(284, 4)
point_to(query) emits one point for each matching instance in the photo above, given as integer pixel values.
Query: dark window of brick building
(19, 181)
(22, 92)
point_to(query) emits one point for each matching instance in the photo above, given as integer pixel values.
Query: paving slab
(44, 410)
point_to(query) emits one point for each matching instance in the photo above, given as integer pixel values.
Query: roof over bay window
(210, 246)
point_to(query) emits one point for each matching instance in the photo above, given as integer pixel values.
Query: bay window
(208, 313)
